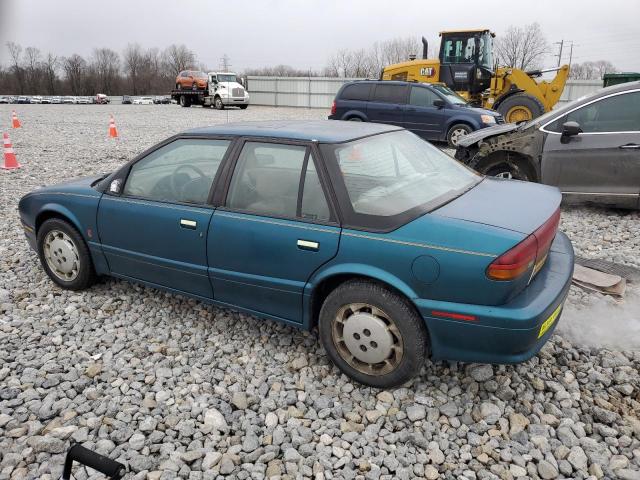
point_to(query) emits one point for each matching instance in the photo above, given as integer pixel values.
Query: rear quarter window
(390, 93)
(358, 91)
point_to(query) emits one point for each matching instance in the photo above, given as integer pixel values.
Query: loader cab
(466, 60)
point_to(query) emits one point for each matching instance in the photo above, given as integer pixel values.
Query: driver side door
(153, 224)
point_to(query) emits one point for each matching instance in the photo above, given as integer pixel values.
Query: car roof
(324, 131)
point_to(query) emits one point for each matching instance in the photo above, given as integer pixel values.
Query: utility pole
(570, 54)
(561, 43)
(225, 63)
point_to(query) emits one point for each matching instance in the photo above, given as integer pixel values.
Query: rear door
(275, 229)
(387, 104)
(154, 228)
(601, 164)
(421, 116)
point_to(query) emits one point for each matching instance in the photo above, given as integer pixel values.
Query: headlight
(488, 119)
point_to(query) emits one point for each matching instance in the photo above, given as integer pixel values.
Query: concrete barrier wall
(319, 92)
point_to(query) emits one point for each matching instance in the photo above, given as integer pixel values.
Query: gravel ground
(175, 388)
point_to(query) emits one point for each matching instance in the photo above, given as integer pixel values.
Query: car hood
(74, 184)
(483, 133)
(509, 204)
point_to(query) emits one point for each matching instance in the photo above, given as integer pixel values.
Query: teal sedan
(392, 249)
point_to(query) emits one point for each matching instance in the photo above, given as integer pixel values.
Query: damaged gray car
(589, 148)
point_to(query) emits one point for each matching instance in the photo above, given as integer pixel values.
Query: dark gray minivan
(433, 112)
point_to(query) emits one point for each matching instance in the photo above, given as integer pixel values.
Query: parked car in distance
(384, 242)
(56, 100)
(101, 99)
(126, 100)
(35, 99)
(22, 99)
(191, 79)
(589, 148)
(143, 101)
(46, 100)
(69, 100)
(433, 112)
(84, 100)
(161, 99)
(4, 99)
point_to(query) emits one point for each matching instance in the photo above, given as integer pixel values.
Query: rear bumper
(509, 333)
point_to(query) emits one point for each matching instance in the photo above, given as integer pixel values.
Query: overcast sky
(304, 34)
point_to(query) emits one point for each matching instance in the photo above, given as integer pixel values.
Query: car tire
(217, 103)
(385, 344)
(355, 119)
(185, 101)
(243, 107)
(64, 255)
(456, 132)
(520, 107)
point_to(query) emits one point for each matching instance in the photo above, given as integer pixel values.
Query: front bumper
(509, 333)
(235, 100)
(30, 233)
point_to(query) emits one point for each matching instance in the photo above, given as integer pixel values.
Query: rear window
(389, 93)
(384, 178)
(357, 91)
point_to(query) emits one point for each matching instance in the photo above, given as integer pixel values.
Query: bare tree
(75, 70)
(522, 47)
(177, 58)
(106, 63)
(15, 52)
(591, 70)
(369, 63)
(50, 66)
(133, 59)
(32, 68)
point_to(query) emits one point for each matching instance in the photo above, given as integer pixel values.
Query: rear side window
(422, 97)
(389, 93)
(357, 91)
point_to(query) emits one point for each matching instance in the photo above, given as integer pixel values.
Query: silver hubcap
(506, 174)
(61, 255)
(367, 339)
(457, 134)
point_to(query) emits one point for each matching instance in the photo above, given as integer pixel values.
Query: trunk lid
(509, 204)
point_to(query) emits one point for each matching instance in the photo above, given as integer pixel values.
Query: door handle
(630, 146)
(190, 224)
(308, 245)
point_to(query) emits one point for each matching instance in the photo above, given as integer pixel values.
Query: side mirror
(439, 103)
(570, 129)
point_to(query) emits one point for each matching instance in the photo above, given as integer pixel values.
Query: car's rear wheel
(456, 132)
(355, 119)
(372, 334)
(243, 107)
(185, 101)
(64, 255)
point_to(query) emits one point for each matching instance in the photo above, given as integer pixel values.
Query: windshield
(451, 96)
(486, 51)
(199, 75)
(227, 78)
(393, 173)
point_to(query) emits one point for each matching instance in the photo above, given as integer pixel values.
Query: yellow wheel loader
(465, 64)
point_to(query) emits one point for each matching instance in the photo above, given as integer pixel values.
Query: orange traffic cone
(14, 120)
(113, 131)
(10, 160)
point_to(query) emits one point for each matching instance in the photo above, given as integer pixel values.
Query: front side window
(393, 173)
(267, 181)
(619, 113)
(180, 172)
(422, 97)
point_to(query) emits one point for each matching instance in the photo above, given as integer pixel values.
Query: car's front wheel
(217, 102)
(372, 334)
(64, 255)
(456, 132)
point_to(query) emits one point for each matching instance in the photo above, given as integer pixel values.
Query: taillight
(333, 108)
(531, 252)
